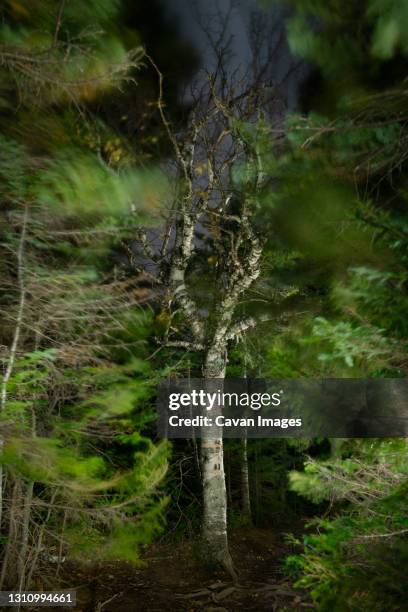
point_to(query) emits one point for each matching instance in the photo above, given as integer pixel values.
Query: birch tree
(211, 255)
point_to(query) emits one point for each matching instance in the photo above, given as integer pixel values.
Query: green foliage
(77, 401)
(390, 29)
(353, 559)
(78, 183)
(347, 342)
(368, 480)
(340, 41)
(64, 56)
(110, 493)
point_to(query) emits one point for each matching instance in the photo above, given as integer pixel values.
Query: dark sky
(243, 18)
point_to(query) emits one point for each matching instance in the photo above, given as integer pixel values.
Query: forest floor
(172, 580)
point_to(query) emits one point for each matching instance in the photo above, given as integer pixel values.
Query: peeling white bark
(214, 527)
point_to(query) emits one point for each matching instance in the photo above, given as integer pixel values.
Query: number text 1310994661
(37, 598)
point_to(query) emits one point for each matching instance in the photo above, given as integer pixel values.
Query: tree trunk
(245, 497)
(25, 527)
(214, 529)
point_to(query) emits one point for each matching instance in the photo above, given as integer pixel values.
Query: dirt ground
(172, 580)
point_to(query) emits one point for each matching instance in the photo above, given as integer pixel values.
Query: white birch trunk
(214, 528)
